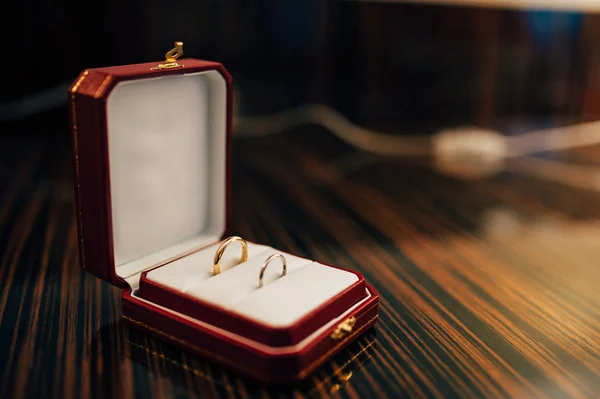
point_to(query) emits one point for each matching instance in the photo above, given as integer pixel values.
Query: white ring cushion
(281, 302)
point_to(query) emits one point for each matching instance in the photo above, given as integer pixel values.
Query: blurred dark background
(487, 282)
(393, 66)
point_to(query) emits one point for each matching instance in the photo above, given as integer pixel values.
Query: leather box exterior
(243, 356)
(87, 106)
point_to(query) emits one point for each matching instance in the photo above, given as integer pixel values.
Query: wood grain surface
(489, 288)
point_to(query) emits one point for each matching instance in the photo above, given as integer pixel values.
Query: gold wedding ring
(221, 251)
(264, 267)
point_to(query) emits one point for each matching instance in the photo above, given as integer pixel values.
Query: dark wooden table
(489, 288)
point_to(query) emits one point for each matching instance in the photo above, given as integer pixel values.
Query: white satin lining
(167, 160)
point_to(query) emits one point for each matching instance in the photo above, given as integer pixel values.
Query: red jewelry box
(152, 183)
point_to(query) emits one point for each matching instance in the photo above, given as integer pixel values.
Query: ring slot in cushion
(240, 281)
(183, 274)
(283, 302)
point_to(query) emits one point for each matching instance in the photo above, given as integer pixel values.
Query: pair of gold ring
(244, 257)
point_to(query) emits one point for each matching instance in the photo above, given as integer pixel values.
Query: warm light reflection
(503, 223)
(573, 5)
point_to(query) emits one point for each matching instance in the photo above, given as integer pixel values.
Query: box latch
(344, 328)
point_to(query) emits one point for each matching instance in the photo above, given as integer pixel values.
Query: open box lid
(152, 152)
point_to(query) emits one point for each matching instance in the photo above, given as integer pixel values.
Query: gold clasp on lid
(344, 328)
(171, 57)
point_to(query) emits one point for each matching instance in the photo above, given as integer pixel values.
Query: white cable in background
(555, 139)
(318, 114)
(467, 152)
(552, 139)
